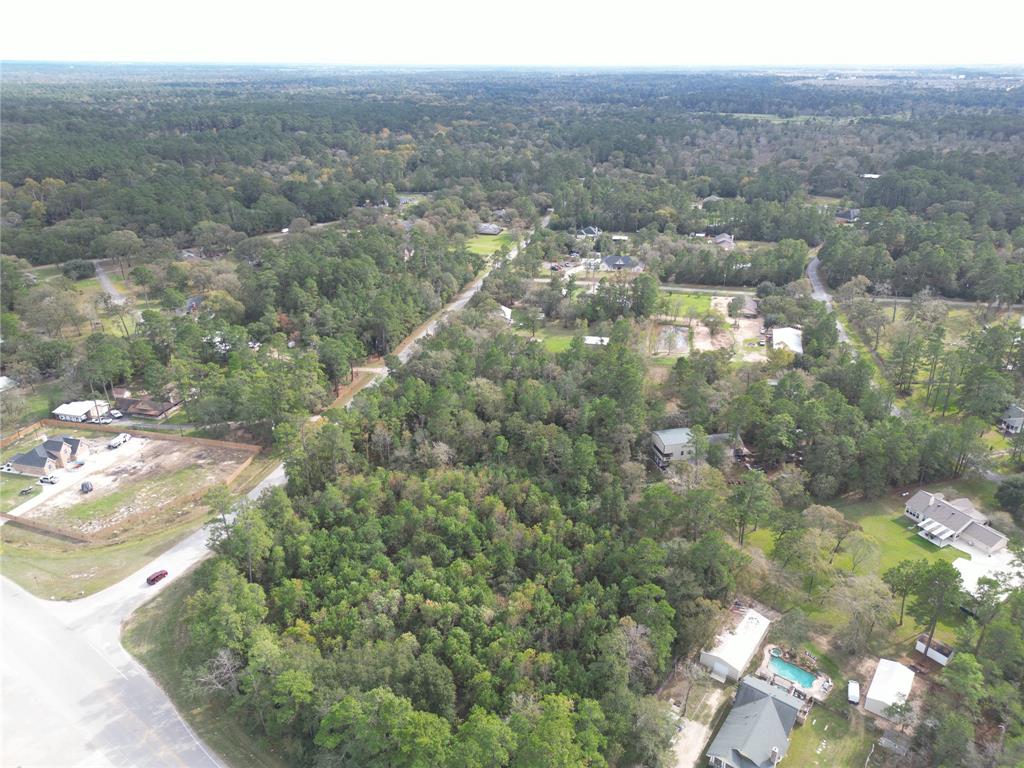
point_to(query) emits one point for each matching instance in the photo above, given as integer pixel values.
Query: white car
(120, 440)
(7, 467)
(48, 480)
(106, 420)
(117, 414)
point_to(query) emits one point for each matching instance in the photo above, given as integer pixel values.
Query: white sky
(687, 33)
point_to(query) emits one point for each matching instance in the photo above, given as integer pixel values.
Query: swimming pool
(792, 672)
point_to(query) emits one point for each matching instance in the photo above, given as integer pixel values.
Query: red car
(155, 577)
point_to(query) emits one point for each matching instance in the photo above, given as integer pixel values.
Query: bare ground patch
(146, 482)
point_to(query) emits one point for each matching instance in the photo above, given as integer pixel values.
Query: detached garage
(736, 646)
(890, 685)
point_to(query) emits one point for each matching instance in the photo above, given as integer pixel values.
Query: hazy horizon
(803, 34)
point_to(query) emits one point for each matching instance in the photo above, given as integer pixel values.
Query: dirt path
(690, 740)
(107, 285)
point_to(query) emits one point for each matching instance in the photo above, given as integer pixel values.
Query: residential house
(756, 731)
(725, 241)
(712, 199)
(788, 338)
(1012, 421)
(736, 645)
(145, 407)
(620, 264)
(588, 232)
(81, 410)
(53, 453)
(945, 522)
(749, 308)
(488, 229)
(668, 445)
(890, 685)
(847, 215)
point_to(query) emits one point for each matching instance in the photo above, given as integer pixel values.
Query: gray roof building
(1013, 419)
(756, 731)
(488, 229)
(943, 522)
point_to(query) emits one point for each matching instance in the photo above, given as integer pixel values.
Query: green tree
(937, 591)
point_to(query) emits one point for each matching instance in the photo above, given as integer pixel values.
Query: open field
(153, 636)
(485, 245)
(683, 305)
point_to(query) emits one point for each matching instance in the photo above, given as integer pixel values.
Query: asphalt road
(72, 697)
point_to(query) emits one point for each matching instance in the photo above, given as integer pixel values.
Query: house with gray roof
(1012, 421)
(488, 229)
(588, 232)
(668, 445)
(725, 241)
(756, 731)
(621, 264)
(944, 522)
(51, 454)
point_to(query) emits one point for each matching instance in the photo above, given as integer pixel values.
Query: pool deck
(819, 691)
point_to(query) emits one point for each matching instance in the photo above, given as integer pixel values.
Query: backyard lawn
(10, 488)
(829, 740)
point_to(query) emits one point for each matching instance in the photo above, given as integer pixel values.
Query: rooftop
(737, 645)
(892, 682)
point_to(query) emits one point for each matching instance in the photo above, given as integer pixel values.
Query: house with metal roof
(668, 445)
(736, 645)
(81, 410)
(788, 338)
(944, 522)
(756, 731)
(890, 685)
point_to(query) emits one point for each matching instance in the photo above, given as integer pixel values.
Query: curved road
(72, 696)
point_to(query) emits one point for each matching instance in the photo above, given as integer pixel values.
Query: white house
(944, 522)
(890, 685)
(1012, 420)
(81, 410)
(668, 445)
(788, 338)
(736, 646)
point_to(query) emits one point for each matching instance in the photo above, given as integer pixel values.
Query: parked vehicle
(26, 491)
(106, 420)
(7, 467)
(153, 578)
(117, 414)
(118, 441)
(48, 480)
(853, 692)
(87, 487)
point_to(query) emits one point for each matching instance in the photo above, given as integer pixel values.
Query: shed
(853, 692)
(735, 647)
(890, 685)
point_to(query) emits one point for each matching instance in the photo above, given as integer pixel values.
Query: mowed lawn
(683, 304)
(828, 740)
(11, 487)
(485, 245)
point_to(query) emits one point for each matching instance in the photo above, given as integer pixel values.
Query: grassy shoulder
(153, 635)
(59, 570)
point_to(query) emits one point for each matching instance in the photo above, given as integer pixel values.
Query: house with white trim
(1012, 421)
(944, 522)
(81, 410)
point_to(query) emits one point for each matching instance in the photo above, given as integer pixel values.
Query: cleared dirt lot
(741, 334)
(144, 482)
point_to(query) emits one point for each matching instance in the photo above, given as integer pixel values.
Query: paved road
(72, 696)
(819, 292)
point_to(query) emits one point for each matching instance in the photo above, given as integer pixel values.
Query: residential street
(820, 293)
(72, 695)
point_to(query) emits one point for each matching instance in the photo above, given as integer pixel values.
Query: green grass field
(10, 488)
(682, 304)
(50, 568)
(485, 245)
(153, 635)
